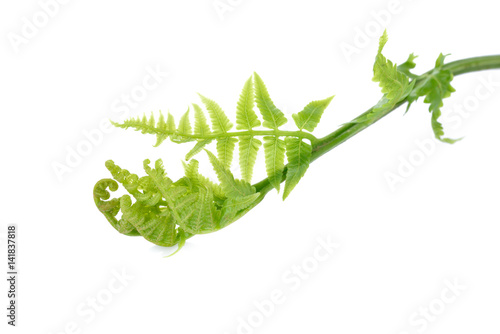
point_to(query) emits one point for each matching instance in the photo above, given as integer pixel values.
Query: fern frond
(394, 83)
(408, 65)
(435, 86)
(273, 117)
(298, 154)
(184, 124)
(246, 118)
(201, 126)
(162, 126)
(128, 180)
(230, 186)
(158, 229)
(274, 151)
(167, 212)
(233, 205)
(310, 116)
(200, 145)
(225, 150)
(204, 218)
(248, 148)
(198, 180)
(220, 122)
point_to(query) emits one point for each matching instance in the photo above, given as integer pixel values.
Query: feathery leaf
(274, 152)
(184, 127)
(197, 148)
(248, 148)
(435, 86)
(298, 154)
(273, 117)
(230, 186)
(246, 118)
(220, 122)
(200, 121)
(225, 150)
(233, 205)
(310, 116)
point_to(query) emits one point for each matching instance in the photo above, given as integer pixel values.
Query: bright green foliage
(273, 117)
(397, 87)
(435, 86)
(249, 146)
(246, 119)
(200, 145)
(184, 125)
(201, 126)
(310, 116)
(167, 212)
(220, 122)
(225, 150)
(408, 65)
(395, 84)
(274, 150)
(298, 153)
(230, 186)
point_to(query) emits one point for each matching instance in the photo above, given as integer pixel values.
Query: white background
(398, 247)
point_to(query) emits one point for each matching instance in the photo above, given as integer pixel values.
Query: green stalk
(348, 130)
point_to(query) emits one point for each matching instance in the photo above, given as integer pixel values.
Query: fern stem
(280, 133)
(348, 130)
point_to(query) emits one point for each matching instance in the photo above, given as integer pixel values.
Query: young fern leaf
(225, 150)
(233, 205)
(249, 146)
(204, 218)
(184, 128)
(201, 126)
(111, 208)
(153, 226)
(246, 118)
(298, 153)
(176, 196)
(162, 126)
(220, 122)
(273, 117)
(310, 116)
(408, 65)
(147, 216)
(199, 181)
(200, 145)
(435, 86)
(274, 151)
(395, 84)
(167, 212)
(230, 186)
